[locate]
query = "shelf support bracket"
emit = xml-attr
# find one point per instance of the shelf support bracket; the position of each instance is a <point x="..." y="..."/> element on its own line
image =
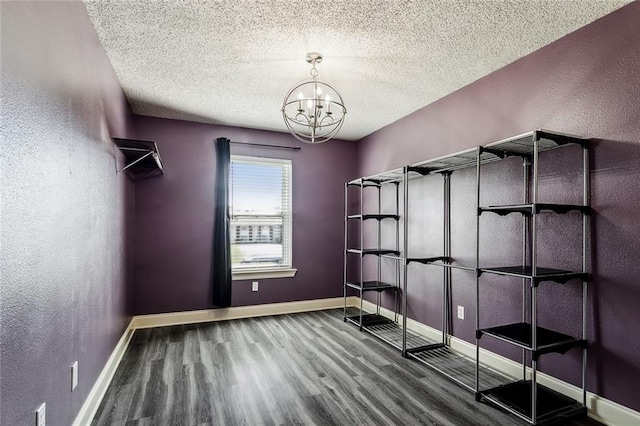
<point x="133" y="163"/>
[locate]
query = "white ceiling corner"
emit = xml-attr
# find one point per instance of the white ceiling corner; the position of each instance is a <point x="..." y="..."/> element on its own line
<point x="232" y="62"/>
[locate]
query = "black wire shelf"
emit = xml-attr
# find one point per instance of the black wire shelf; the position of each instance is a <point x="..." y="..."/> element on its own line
<point x="560" y="276"/>
<point x="373" y="216"/>
<point x="374" y="252"/>
<point x="520" y="334"/>
<point x="369" y="320"/>
<point x="515" y="397"/>
<point x="372" y="286"/>
<point x="441" y="261"/>
<point x="534" y="208"/>
<point x="428" y="260"/>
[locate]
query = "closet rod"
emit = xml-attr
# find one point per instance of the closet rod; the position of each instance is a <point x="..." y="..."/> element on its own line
<point x="293" y="148"/>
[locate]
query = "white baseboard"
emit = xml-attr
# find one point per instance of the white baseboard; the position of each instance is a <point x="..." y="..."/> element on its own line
<point x="601" y="409"/>
<point x="208" y="315"/>
<point x="91" y="404"/>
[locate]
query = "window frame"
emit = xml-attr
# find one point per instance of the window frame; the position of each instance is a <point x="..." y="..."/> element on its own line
<point x="263" y="272"/>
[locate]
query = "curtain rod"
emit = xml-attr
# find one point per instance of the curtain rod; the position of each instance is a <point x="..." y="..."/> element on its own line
<point x="293" y="148"/>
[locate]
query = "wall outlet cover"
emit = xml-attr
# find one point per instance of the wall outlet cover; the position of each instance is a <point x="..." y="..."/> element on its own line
<point x="254" y="286"/>
<point x="460" y="312"/>
<point x="74" y="375"/>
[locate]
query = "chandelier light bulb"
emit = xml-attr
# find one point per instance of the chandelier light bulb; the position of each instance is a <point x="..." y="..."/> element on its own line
<point x="300" y="97"/>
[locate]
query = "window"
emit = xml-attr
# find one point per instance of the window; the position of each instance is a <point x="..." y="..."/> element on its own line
<point x="260" y="206"/>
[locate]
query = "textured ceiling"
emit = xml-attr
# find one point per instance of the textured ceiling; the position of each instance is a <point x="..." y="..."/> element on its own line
<point x="232" y="62"/>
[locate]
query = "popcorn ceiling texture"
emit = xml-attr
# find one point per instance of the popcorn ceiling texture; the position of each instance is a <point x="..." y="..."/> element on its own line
<point x="232" y="62"/>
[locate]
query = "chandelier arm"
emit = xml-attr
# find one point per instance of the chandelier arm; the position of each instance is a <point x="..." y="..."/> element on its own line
<point x="326" y="117"/>
<point x="299" y="121"/>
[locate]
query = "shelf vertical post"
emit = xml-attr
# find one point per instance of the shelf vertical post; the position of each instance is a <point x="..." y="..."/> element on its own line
<point x="586" y="200"/>
<point x="478" y="269"/>
<point x="379" y="245"/>
<point x="525" y="260"/>
<point x="446" y="291"/>
<point x="405" y="178"/>
<point x="361" y="248"/>
<point x="346" y="231"/>
<point x="534" y="286"/>
<point x="534" y="363"/>
<point x="397" y="270"/>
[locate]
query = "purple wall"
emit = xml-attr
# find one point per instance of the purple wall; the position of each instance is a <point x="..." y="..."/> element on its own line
<point x="587" y="83"/>
<point x="64" y="213"/>
<point x="174" y="217"/>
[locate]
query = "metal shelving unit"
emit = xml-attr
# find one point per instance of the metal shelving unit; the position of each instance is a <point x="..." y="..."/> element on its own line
<point x="386" y="329"/>
<point x="522" y="396"/>
<point x="439" y="356"/>
<point x="142" y="158"/>
<point x="525" y="397"/>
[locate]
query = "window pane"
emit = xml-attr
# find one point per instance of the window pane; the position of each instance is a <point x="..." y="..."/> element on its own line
<point x="260" y="213"/>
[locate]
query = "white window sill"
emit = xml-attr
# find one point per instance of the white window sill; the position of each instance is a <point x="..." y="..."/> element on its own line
<point x="263" y="274"/>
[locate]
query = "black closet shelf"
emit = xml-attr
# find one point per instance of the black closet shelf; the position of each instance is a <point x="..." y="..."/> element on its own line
<point x="369" y="320"/>
<point x="375" y="252"/>
<point x="515" y="397"/>
<point x="373" y="216"/>
<point x="142" y="158"/>
<point x="519" y="334"/>
<point x="534" y="208"/>
<point x="542" y="274"/>
<point x="452" y="266"/>
<point x="442" y="261"/>
<point x="372" y="286"/>
<point x="428" y="260"/>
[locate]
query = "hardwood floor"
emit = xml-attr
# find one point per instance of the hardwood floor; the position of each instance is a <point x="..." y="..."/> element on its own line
<point x="300" y="369"/>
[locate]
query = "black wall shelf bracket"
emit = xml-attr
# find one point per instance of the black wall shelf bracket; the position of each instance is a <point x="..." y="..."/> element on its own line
<point x="142" y="158"/>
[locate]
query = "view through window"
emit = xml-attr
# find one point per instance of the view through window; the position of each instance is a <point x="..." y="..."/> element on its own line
<point x="260" y="206"/>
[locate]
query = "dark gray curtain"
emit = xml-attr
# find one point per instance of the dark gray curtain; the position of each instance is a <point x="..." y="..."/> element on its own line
<point x="221" y="239"/>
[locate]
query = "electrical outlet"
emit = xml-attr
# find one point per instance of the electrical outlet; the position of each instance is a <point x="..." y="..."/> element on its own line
<point x="460" y="312"/>
<point x="74" y="375"/>
<point x="254" y="286"/>
<point x="41" y="415"/>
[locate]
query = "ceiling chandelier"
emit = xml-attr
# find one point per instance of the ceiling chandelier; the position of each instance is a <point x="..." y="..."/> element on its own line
<point x="313" y="110"/>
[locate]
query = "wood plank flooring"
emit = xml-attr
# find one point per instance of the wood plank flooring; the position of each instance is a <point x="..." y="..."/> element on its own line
<point x="300" y="369"/>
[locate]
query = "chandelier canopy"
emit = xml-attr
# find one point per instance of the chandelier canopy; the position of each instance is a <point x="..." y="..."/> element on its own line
<point x="313" y="110"/>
